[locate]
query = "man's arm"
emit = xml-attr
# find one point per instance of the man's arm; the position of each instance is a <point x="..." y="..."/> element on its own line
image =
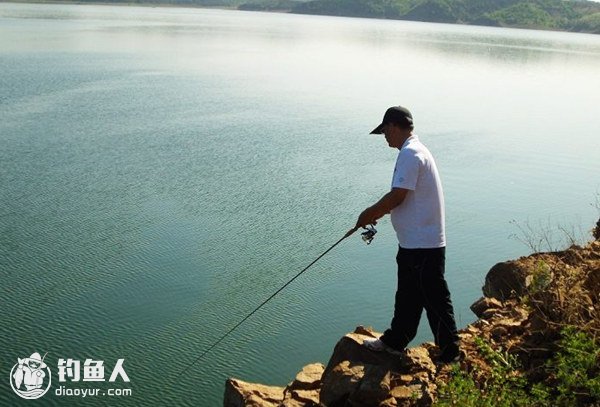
<point x="388" y="202"/>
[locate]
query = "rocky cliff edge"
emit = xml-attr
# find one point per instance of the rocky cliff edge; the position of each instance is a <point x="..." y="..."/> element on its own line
<point x="525" y="303"/>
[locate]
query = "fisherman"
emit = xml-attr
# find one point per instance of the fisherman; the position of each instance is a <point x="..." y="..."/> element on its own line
<point x="30" y="373"/>
<point x="416" y="206"/>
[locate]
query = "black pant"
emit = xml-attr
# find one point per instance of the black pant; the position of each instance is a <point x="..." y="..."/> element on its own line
<point x="421" y="284"/>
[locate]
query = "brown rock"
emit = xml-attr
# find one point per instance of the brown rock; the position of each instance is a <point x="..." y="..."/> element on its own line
<point x="510" y="325"/>
<point x="420" y="377"/>
<point x="308" y="396"/>
<point x="361" y="330"/>
<point x="301" y="398"/>
<point x="499" y="332"/>
<point x="243" y="394"/>
<point x="483" y="304"/>
<point x="350" y="348"/>
<point x="363" y="377"/>
<point x="592" y="283"/>
<point x="420" y="361"/>
<point x="358" y="376"/>
<point x="389" y="402"/>
<point x="505" y="279"/>
<point x="309" y="378"/>
<point x="374" y="387"/>
<point x="304" y="390"/>
<point x="517" y="312"/>
<point x="291" y="402"/>
<point x="341" y="381"/>
<point x="401" y="379"/>
<point x="489" y="313"/>
<point x="428" y="397"/>
<point x="354" y="375"/>
<point x="406" y="393"/>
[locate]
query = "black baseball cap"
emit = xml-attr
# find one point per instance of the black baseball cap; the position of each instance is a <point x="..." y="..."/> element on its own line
<point x="395" y="114"/>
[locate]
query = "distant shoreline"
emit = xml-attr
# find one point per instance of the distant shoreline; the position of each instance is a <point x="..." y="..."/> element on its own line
<point x="282" y="11"/>
<point x="124" y="4"/>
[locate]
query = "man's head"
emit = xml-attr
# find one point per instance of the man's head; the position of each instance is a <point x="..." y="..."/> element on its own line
<point x="397" y="126"/>
<point x="35" y="361"/>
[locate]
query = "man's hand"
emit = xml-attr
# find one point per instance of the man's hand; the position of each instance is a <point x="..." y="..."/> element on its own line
<point x="367" y="217"/>
<point x="388" y="202"/>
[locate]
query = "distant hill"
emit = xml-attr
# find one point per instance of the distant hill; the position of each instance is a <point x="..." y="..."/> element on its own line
<point x="271" y="5"/>
<point x="564" y="15"/>
<point x="537" y="14"/>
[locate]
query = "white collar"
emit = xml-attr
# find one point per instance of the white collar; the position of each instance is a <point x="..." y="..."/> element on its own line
<point x="413" y="137"/>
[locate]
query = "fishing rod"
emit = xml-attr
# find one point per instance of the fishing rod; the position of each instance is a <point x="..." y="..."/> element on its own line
<point x="367" y="237"/>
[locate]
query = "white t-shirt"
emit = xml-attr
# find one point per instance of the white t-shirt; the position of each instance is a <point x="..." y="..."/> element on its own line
<point x="419" y="219"/>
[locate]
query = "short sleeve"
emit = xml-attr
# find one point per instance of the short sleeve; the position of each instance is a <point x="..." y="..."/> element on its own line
<point x="407" y="170"/>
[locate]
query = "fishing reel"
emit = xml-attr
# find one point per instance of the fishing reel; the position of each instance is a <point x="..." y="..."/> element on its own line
<point x="369" y="234"/>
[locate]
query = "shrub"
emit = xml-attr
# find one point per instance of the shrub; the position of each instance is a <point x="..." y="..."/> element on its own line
<point x="572" y="377"/>
<point x="575" y="369"/>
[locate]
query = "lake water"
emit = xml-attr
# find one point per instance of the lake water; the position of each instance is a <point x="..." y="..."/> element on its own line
<point x="164" y="170"/>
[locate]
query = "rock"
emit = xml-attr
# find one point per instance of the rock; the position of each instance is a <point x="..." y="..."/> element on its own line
<point x="489" y="313"/>
<point x="528" y="330"/>
<point x="304" y="390"/>
<point x="513" y="327"/>
<point x="517" y="312"/>
<point x="505" y="280"/>
<point x="301" y="398"/>
<point x="374" y="387"/>
<point x="389" y="402"/>
<point x="291" y="402"/>
<point x="413" y="395"/>
<point x="592" y="282"/>
<point x="401" y="379"/>
<point x="499" y="332"/>
<point x="340" y="382"/>
<point x="483" y="304"/>
<point x="361" y="330"/>
<point x="420" y="361"/>
<point x="359" y="376"/>
<point x="406" y="392"/>
<point x="350" y="348"/>
<point x="243" y="394"/>
<point x="309" y="378"/>
<point x="354" y="375"/>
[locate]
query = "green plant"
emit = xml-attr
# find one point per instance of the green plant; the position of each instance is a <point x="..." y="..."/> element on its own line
<point x="461" y="390"/>
<point x="573" y="373"/>
<point x="504" y="386"/>
<point x="540" y="277"/>
<point x="576" y="368"/>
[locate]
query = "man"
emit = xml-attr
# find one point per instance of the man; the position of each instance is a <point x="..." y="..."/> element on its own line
<point x="30" y="372"/>
<point x="416" y="207"/>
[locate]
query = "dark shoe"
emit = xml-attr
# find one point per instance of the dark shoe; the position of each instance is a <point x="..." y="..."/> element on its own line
<point x="378" y="345"/>
<point x="451" y="354"/>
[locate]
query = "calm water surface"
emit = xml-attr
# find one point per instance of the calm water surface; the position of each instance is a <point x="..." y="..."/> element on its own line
<point x="164" y="170"/>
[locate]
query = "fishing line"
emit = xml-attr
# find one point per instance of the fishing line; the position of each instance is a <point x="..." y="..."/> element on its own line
<point x="367" y="236"/>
